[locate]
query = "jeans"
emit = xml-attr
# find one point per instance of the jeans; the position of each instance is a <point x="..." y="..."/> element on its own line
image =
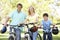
<point x="33" y="35"/>
<point x="17" y="32"/>
<point x="48" y="35"/>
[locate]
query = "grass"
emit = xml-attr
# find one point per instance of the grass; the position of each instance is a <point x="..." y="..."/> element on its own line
<point x="4" y="39"/>
<point x="2" y="36"/>
<point x="55" y="37"/>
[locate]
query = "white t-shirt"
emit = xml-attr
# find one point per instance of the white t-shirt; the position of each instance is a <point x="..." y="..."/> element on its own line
<point x="32" y="19"/>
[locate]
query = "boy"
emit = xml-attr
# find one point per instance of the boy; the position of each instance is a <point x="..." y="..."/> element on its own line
<point x="46" y="27"/>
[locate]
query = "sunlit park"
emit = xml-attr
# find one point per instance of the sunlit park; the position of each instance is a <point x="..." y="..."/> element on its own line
<point x="52" y="7"/>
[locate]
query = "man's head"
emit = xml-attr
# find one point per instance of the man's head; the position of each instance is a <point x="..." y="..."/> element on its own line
<point x="19" y="7"/>
<point x="45" y="16"/>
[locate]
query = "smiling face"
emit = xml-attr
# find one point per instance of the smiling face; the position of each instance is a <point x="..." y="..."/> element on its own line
<point x="45" y="18"/>
<point x="31" y="10"/>
<point x="19" y="7"/>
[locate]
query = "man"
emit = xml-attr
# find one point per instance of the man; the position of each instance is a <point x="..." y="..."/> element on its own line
<point x="17" y="17"/>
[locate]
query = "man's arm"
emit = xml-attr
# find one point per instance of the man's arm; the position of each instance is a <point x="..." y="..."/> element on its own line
<point x="10" y="15"/>
<point x="6" y="20"/>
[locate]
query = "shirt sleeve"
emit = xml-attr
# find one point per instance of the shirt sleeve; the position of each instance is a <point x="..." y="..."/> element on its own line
<point x="25" y="16"/>
<point x="51" y="22"/>
<point x="10" y="15"/>
<point x="42" y="22"/>
<point x="37" y="15"/>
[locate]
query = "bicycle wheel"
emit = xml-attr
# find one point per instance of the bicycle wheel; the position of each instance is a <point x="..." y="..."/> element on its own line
<point x="26" y="38"/>
<point x="11" y="38"/>
<point x="39" y="37"/>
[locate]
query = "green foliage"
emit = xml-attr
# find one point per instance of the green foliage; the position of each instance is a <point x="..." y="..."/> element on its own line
<point x="40" y="6"/>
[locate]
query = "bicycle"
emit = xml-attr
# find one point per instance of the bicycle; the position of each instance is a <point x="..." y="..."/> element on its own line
<point x="12" y="34"/>
<point x="54" y="30"/>
<point x="27" y="35"/>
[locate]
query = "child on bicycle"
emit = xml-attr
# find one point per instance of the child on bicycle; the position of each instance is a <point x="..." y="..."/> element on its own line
<point x="46" y="27"/>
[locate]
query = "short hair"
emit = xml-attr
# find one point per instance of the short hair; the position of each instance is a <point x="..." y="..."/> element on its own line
<point x="19" y="4"/>
<point x="45" y="14"/>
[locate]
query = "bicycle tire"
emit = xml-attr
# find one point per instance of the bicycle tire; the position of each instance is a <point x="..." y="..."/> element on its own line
<point x="39" y="37"/>
<point x="25" y="38"/>
<point x="11" y="38"/>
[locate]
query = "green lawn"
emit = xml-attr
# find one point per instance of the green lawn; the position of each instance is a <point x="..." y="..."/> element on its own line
<point x="3" y="39"/>
<point x="55" y="37"/>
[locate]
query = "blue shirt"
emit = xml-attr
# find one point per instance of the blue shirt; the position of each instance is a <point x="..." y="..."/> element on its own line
<point x="17" y="17"/>
<point x="46" y="25"/>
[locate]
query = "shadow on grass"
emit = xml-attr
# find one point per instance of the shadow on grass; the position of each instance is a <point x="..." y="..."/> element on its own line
<point x="3" y="39"/>
<point x="56" y="38"/>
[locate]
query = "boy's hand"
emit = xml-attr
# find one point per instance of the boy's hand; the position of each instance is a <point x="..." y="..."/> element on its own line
<point x="53" y="25"/>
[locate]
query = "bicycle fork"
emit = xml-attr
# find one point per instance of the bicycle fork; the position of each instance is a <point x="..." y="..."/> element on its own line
<point x="47" y="37"/>
<point x="28" y="36"/>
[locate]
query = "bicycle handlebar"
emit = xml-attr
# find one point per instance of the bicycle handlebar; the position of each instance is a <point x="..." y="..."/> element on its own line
<point x="20" y="25"/>
<point x="26" y="24"/>
<point x="30" y="24"/>
<point x="14" y="25"/>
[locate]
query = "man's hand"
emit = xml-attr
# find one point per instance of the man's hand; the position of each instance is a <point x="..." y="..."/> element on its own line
<point x="5" y="24"/>
<point x="6" y="20"/>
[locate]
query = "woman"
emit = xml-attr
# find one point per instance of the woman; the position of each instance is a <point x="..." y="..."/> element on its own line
<point x="32" y="18"/>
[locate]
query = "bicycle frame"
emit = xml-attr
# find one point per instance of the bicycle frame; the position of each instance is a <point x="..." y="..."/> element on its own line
<point x="13" y="33"/>
<point x="27" y="33"/>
